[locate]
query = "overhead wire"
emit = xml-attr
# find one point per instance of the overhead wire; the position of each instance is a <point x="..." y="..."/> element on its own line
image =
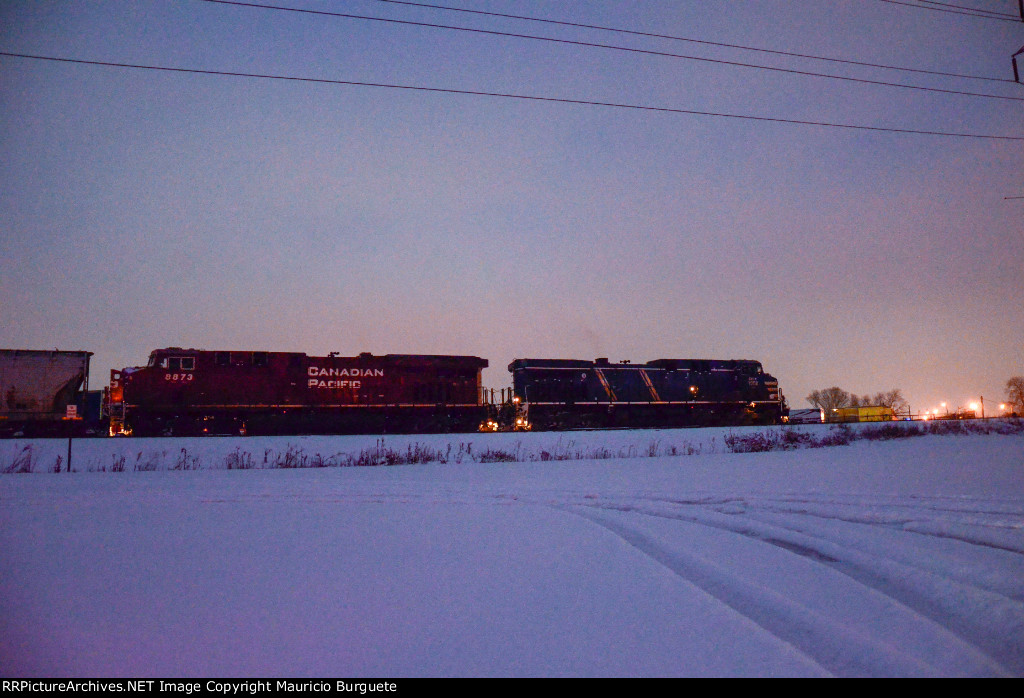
<point x="492" y="32"/>
<point x="950" y="9"/>
<point x="705" y="42"/>
<point x="964" y="7"/>
<point x="507" y="95"/>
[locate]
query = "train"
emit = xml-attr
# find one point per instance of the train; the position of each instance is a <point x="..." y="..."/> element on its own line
<point x="46" y="393"/>
<point x="196" y="392"/>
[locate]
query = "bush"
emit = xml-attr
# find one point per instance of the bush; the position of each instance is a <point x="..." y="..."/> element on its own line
<point x="22" y="462"/>
<point x="186" y="462"/>
<point x="238" y="460"/>
<point x="497" y="456"/>
<point x="890" y="430"/>
<point x="839" y="435"/>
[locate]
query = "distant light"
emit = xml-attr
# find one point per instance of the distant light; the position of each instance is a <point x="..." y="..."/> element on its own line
<point x="974" y="406"/>
<point x="1002" y="407"/>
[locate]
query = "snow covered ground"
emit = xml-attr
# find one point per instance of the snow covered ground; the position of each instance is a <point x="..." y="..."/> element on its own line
<point x="659" y="553"/>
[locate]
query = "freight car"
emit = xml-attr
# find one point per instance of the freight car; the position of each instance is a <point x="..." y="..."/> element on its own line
<point x="806" y="416"/>
<point x="196" y="392"/>
<point x="568" y="394"/>
<point x="45" y="393"/>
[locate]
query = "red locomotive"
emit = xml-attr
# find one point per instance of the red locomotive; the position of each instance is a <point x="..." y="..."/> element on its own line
<point x="195" y="392"/>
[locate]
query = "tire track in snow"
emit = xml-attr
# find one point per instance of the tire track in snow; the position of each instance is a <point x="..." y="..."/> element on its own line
<point x="838" y="649"/>
<point x="942" y="503"/>
<point x="966" y="532"/>
<point x="991" y="624"/>
<point x="775" y="512"/>
<point x="947" y="564"/>
<point x="922" y="524"/>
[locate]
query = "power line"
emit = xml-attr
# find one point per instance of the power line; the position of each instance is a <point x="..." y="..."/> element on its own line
<point x="507" y="95"/>
<point x="587" y="44"/>
<point x="972" y="9"/>
<point x="695" y="41"/>
<point x="949" y="9"/>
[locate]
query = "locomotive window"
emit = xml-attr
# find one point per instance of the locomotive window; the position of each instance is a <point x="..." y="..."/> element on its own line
<point x="181" y="363"/>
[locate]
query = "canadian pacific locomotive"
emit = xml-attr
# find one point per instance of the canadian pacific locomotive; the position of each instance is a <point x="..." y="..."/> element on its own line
<point x="189" y="391"/>
<point x="559" y="394"/>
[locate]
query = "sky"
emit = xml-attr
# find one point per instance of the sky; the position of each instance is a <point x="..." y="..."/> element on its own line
<point x="141" y="209"/>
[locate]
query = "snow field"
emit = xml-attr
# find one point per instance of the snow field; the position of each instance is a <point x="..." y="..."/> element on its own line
<point x="881" y="558"/>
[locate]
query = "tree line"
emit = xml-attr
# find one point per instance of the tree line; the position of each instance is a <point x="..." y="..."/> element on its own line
<point x="835" y="398"/>
<point x="1015" y="394"/>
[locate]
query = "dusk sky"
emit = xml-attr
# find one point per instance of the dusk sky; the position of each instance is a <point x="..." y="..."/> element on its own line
<point x="143" y="209"/>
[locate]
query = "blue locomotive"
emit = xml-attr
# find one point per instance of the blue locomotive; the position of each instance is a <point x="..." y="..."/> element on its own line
<point x="570" y="394"/>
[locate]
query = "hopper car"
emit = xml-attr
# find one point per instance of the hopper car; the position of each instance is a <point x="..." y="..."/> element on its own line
<point x="45" y="394"/>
